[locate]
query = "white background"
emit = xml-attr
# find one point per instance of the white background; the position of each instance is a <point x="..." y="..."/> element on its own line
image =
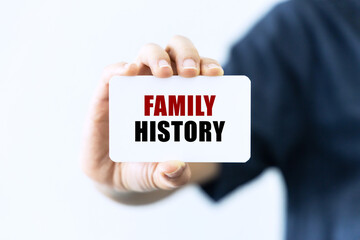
<point x="51" y="56"/>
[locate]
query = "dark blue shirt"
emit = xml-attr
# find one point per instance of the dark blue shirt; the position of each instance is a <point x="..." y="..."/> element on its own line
<point x="304" y="62"/>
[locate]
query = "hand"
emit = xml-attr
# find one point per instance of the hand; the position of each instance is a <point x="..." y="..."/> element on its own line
<point x="180" y="57"/>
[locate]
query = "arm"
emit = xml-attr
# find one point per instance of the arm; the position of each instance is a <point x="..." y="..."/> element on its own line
<point x="141" y="183"/>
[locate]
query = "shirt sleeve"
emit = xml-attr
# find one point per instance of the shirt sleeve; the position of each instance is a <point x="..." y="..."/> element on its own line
<point x="273" y="55"/>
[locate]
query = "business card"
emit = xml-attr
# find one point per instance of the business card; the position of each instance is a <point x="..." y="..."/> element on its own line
<point x="200" y="119"/>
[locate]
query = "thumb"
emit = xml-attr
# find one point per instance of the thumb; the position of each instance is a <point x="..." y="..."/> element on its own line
<point x="171" y="174"/>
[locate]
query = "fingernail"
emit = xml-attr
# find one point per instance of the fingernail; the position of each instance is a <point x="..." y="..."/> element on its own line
<point x="213" y="65"/>
<point x="177" y="171"/>
<point x="163" y="63"/>
<point x="126" y="65"/>
<point x="189" y="64"/>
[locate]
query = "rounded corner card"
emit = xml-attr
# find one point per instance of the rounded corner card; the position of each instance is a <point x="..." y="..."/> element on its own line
<point x="200" y="119"/>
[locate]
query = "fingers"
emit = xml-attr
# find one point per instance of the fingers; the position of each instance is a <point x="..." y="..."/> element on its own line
<point x="210" y="67"/>
<point x="184" y="54"/>
<point x="153" y="57"/>
<point x="180" y="57"/>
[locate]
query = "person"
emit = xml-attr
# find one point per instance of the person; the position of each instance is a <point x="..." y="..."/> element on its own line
<point x="303" y="59"/>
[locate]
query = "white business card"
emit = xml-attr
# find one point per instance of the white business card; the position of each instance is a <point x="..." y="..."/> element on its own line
<point x="201" y="119"/>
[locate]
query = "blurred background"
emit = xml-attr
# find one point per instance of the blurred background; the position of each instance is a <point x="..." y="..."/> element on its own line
<point x="51" y="56"/>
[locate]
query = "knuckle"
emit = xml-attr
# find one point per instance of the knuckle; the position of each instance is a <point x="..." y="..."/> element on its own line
<point x="150" y="50"/>
<point x="177" y="41"/>
<point x="206" y="59"/>
<point x="189" y="50"/>
<point x="209" y="60"/>
<point x="149" y="46"/>
<point x="178" y="37"/>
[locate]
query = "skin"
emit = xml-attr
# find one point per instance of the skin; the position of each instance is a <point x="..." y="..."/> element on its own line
<point x="143" y="183"/>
